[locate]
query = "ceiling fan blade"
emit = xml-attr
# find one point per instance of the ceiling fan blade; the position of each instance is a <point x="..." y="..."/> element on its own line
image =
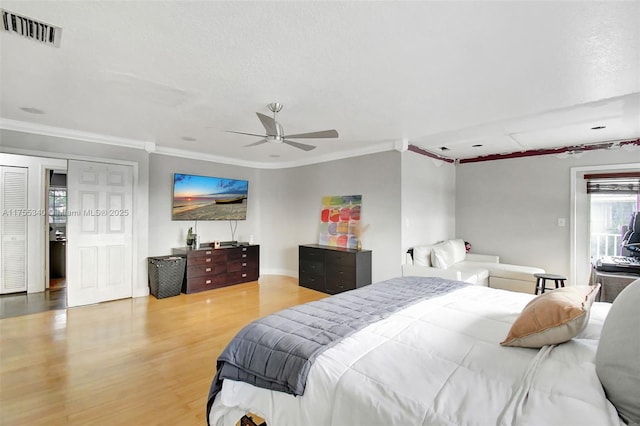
<point x="243" y="133"/>
<point x="316" y="135"/>
<point x="269" y="124"/>
<point x="260" y="142"/>
<point x="299" y="145"/>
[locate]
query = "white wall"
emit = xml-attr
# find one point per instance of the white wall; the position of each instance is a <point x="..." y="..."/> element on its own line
<point x="511" y="207"/>
<point x="428" y="200"/>
<point x="31" y="144"/>
<point x="284" y="207"/>
<point x="167" y="233"/>
<point x="292" y="199"/>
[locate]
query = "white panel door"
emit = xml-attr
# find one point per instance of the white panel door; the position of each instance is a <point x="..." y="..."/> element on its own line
<point x="13" y="247"/>
<point x="99" y="232"/>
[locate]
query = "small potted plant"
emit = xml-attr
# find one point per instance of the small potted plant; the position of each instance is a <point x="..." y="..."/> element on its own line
<point x="190" y="237"/>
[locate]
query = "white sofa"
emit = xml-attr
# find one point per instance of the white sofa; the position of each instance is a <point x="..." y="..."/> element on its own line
<point x="448" y="259"/>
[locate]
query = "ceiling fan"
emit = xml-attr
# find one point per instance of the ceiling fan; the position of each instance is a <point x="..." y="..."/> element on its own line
<point x="275" y="132"/>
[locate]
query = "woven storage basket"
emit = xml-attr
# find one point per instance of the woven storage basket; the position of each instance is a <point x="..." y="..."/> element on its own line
<point x="165" y="275"/>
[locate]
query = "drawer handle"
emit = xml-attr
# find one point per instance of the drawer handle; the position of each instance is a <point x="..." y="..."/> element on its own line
<point x="208" y="270"/>
<point x="244" y="275"/>
<point x="244" y="249"/>
<point x="244" y="264"/>
<point x="207" y="252"/>
<point x="207" y="282"/>
<point x="208" y="259"/>
<point x="244" y="255"/>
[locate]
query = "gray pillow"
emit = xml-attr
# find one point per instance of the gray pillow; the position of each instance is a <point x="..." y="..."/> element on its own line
<point x="618" y="355"/>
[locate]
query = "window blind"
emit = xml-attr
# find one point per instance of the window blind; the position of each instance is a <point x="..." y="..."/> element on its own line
<point x="613" y="183"/>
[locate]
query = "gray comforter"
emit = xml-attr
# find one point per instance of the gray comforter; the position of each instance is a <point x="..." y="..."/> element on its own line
<point x="277" y="351"/>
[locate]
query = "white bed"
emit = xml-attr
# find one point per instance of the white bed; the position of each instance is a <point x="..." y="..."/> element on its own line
<point x="439" y="362"/>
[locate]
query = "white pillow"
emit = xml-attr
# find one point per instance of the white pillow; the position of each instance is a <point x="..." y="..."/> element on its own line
<point x="422" y="255"/>
<point x="447" y="254"/>
<point x="618" y="355"/>
<point x="459" y="250"/>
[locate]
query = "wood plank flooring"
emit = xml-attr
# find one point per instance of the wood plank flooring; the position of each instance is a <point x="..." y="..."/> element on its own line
<point x="141" y="361"/>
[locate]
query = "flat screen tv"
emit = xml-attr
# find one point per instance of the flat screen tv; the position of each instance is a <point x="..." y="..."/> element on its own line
<point x="208" y="198"/>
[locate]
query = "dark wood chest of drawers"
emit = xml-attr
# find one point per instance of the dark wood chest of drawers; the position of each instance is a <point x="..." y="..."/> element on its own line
<point x="209" y="268"/>
<point x="332" y="269"/>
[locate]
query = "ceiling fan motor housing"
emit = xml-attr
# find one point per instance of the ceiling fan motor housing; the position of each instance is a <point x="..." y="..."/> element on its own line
<point x="275" y="107"/>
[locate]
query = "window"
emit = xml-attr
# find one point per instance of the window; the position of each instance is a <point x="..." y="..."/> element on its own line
<point x="610" y="214"/>
<point x="57" y="205"/>
<point x="613" y="197"/>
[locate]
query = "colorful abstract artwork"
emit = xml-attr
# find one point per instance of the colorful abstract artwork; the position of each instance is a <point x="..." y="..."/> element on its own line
<point x="340" y="221"/>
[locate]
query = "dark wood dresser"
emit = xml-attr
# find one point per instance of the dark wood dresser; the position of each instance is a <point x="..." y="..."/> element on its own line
<point x="333" y="269"/>
<point x="209" y="268"/>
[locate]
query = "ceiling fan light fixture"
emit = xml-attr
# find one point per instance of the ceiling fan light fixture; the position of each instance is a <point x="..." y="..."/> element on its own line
<point x="275" y="132"/>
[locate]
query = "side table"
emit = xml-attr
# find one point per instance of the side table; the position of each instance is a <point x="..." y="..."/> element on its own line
<point x="541" y="282"/>
<point x="611" y="283"/>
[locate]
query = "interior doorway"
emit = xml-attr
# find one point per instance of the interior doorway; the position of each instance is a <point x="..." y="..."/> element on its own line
<point x="57" y="228"/>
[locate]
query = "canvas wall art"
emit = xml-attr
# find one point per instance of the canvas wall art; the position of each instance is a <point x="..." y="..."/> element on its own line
<point x="340" y="221"/>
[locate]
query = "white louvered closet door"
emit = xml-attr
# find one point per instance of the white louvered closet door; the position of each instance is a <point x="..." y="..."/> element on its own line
<point x="13" y="250"/>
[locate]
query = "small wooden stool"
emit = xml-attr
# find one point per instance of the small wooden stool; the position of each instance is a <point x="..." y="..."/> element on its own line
<point x="541" y="282"/>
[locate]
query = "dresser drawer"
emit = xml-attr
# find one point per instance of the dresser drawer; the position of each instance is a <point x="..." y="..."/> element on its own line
<point x="208" y="252"/>
<point x="243" y="253"/>
<point x="205" y="283"/>
<point x="306" y="253"/>
<point x="205" y="270"/>
<point x="311" y="268"/>
<point x="339" y="279"/>
<point x="207" y="260"/>
<point x="340" y="258"/>
<point x="314" y="283"/>
<point x="242" y="276"/>
<point x="241" y="265"/>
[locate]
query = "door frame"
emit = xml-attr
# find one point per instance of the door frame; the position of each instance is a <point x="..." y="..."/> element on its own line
<point x="45" y="225"/>
<point x="580" y="216"/>
<point x="140" y="211"/>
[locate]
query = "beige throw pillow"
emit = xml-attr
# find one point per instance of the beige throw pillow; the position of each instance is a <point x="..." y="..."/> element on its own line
<point x="553" y="317"/>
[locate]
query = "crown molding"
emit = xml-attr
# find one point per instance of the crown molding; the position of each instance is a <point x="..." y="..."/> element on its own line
<point x="153" y="148"/>
<point x="58" y="132"/>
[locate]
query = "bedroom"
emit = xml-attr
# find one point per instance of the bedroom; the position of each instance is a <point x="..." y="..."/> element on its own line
<point x="389" y="181"/>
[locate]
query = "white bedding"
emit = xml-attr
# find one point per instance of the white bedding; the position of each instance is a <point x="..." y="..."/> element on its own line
<point x="439" y="362"/>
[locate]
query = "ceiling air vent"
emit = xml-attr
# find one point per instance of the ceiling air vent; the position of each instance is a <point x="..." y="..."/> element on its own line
<point x="31" y="28"/>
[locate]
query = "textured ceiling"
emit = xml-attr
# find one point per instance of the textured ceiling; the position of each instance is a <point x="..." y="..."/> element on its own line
<point x="510" y="76"/>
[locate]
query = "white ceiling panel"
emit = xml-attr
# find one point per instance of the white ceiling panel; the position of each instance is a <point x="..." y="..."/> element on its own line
<point x="513" y="75"/>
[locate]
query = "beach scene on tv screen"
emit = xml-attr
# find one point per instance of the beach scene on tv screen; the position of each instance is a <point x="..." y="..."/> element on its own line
<point x="209" y="198"/>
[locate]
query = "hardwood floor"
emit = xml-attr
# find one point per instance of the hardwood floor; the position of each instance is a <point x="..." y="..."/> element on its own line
<point x="55" y="297"/>
<point x="141" y="361"/>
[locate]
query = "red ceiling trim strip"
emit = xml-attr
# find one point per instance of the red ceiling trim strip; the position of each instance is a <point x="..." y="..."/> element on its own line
<point x="529" y="153"/>
<point x="552" y="151"/>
